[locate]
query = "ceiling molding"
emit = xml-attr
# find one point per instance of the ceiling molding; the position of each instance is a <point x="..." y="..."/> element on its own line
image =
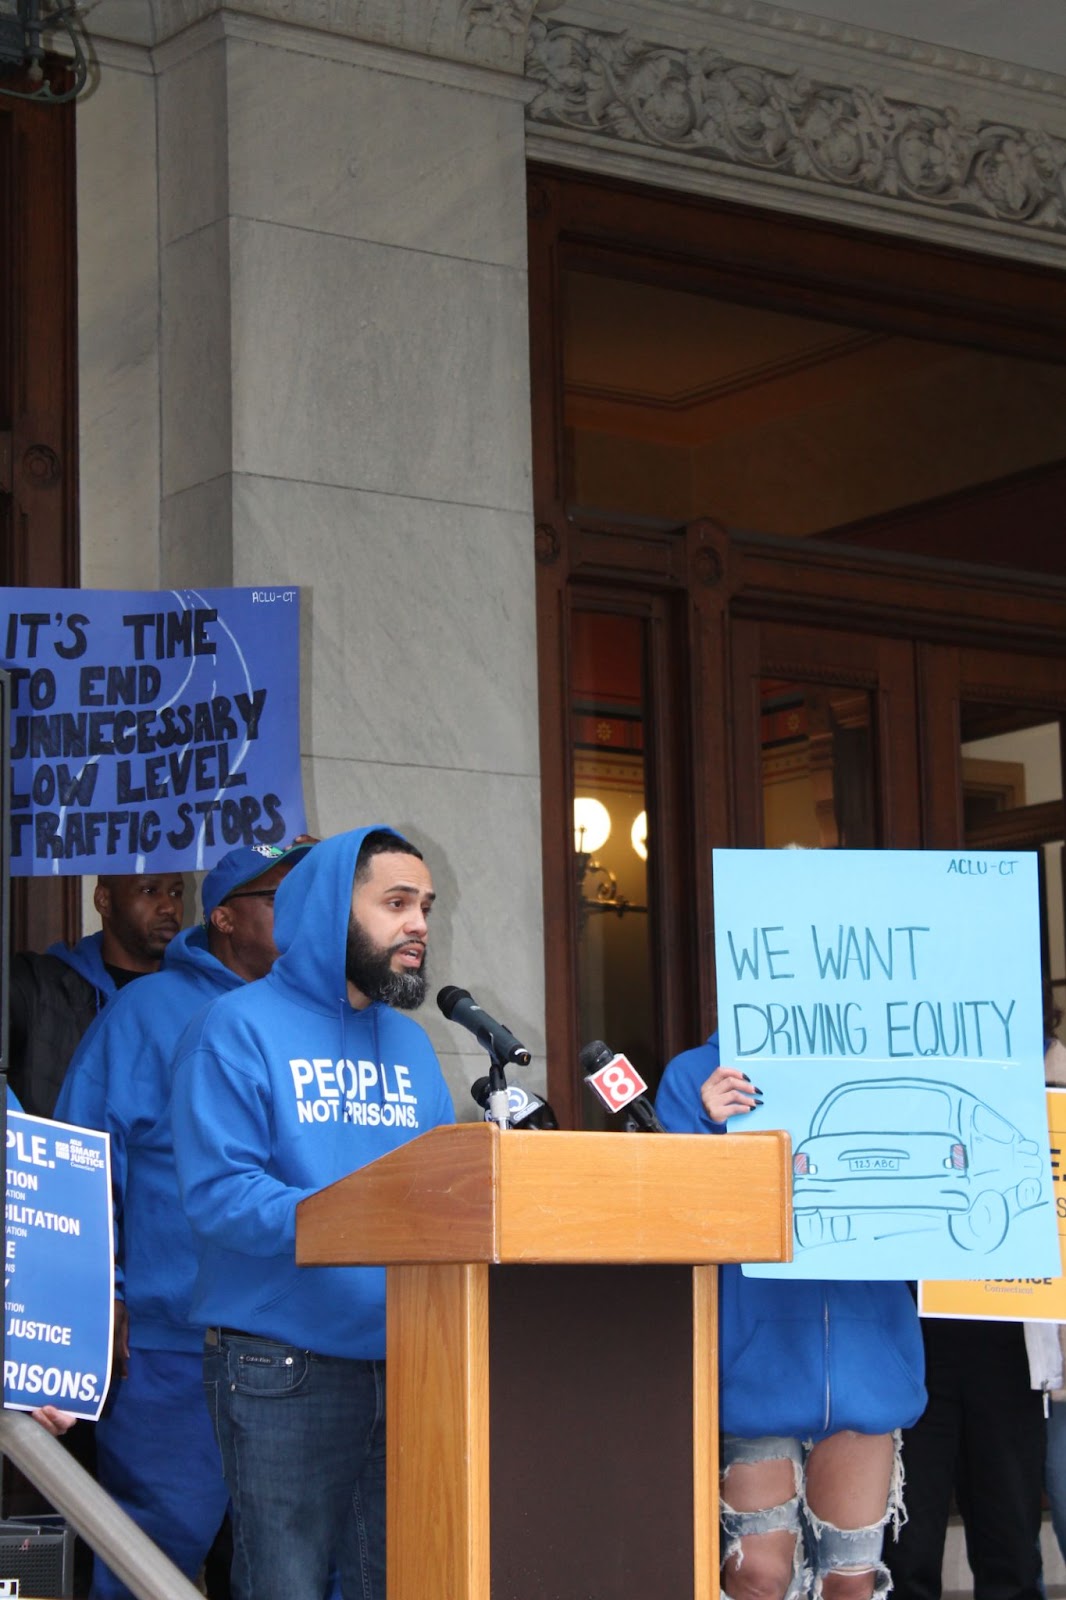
<point x="733" y="383"/>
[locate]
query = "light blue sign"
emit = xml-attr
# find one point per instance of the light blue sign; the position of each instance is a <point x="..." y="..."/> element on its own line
<point x="888" y="1004"/>
<point x="150" y="732"/>
<point x="58" y="1267"/>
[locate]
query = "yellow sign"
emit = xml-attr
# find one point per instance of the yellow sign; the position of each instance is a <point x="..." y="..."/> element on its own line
<point x="1013" y="1299"/>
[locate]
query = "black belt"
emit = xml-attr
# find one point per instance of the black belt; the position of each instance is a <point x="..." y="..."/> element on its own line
<point x="212" y="1335"/>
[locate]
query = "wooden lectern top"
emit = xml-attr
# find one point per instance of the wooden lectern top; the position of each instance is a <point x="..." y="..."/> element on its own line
<point x="470" y="1193"/>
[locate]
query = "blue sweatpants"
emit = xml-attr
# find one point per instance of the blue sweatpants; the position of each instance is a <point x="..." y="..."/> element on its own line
<point x="157" y="1456"/>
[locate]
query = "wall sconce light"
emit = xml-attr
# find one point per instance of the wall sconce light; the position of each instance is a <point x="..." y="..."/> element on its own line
<point x="638" y="835"/>
<point x="592" y="829"/>
<point x="592" y="825"/>
<point x="23" y="26"/>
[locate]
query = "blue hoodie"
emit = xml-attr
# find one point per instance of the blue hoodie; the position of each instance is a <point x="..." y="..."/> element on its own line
<point x="119" y="1081"/>
<point x="802" y="1358"/>
<point x="280" y="1089"/>
<point x="87" y="960"/>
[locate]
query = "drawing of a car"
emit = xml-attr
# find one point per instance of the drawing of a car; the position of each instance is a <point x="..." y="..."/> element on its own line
<point x="905" y="1148"/>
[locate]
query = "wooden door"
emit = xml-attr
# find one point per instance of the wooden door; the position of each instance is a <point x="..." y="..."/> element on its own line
<point x="754" y="662"/>
<point x="784" y="692"/>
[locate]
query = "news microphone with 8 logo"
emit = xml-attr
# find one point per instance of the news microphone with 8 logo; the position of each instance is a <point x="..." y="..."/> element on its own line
<point x="619" y="1086"/>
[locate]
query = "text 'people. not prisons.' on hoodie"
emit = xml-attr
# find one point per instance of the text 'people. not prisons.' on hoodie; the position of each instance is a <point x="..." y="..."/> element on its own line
<point x="364" y="1093"/>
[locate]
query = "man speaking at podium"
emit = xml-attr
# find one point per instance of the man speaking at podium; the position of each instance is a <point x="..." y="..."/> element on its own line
<point x="281" y="1088"/>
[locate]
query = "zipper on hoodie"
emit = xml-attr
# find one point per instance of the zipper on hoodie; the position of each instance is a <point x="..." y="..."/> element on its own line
<point x="825" y="1330"/>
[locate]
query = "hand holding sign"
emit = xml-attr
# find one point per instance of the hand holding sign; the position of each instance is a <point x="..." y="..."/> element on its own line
<point x="59" y="1265"/>
<point x="729" y="1092"/>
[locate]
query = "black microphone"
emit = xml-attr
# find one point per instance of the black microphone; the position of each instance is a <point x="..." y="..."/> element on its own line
<point x="618" y="1084"/>
<point x="526" y="1110"/>
<point x="501" y="1044"/>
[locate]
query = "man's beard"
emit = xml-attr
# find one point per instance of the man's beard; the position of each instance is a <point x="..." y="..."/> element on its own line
<point x="369" y="968"/>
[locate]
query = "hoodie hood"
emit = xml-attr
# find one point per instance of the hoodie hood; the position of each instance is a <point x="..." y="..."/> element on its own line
<point x="188" y="954"/>
<point x="86" y="958"/>
<point x="311" y="912"/>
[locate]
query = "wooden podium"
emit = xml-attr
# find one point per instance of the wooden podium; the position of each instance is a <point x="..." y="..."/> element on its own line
<point x="552" y="1337"/>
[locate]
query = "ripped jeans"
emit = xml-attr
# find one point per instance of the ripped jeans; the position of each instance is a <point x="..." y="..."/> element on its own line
<point x="821" y="1548"/>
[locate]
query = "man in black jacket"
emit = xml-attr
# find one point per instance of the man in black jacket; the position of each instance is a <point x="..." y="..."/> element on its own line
<point x="54" y="997"/>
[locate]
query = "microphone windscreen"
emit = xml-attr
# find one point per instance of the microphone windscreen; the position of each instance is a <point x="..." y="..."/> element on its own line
<point x="594" y="1055"/>
<point x="449" y="997"/>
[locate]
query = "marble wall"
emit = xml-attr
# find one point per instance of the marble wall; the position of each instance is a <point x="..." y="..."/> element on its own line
<point x="339" y="399"/>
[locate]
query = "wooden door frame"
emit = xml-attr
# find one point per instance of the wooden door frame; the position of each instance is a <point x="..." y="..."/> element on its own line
<point x="951" y="675"/>
<point x="883" y="666"/>
<point x="715" y="576"/>
<point x="38" y="408"/>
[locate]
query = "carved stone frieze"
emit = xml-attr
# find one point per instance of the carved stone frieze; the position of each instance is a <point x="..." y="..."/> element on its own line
<point x="504" y="24"/>
<point x="795" y="125"/>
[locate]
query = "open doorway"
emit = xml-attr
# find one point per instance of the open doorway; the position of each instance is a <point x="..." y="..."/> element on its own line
<point x="767" y="455"/>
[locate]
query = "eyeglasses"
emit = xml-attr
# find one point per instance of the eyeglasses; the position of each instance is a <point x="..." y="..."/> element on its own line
<point x="251" y="894"/>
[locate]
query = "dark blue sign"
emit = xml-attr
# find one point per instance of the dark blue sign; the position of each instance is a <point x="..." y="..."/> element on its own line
<point x="58" y="1267"/>
<point x="150" y="732"/>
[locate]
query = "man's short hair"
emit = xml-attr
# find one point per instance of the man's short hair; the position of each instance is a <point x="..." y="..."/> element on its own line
<point x="382" y="842"/>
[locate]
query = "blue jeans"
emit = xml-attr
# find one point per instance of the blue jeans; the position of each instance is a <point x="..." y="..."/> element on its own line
<point x="821" y="1547"/>
<point x="156" y="1455"/>
<point x="302" y="1438"/>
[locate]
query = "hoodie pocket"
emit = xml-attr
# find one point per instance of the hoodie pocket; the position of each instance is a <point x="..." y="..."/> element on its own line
<point x="775" y="1384"/>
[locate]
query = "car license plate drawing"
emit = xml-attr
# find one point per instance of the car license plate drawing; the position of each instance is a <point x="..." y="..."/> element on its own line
<point x="892" y="1002"/>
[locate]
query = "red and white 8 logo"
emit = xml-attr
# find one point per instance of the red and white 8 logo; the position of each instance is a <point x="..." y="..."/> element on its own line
<point x="617" y="1083"/>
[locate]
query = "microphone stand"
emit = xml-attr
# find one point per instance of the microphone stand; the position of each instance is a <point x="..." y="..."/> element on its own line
<point x="499" y="1106"/>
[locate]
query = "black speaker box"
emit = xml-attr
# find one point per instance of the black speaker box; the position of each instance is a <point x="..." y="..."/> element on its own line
<point x="37" y="1553"/>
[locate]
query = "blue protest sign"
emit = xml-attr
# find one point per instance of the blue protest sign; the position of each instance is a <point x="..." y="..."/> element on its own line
<point x="888" y="1004"/>
<point x="150" y="732"/>
<point x="58" y="1267"/>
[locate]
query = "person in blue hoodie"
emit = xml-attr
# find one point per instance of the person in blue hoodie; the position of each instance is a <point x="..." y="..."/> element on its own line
<point x="281" y="1089"/>
<point x="156" y="1451"/>
<point x="54" y="997"/>
<point x="817" y="1380"/>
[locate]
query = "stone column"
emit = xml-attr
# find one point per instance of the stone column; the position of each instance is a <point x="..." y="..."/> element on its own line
<point x="344" y="405"/>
